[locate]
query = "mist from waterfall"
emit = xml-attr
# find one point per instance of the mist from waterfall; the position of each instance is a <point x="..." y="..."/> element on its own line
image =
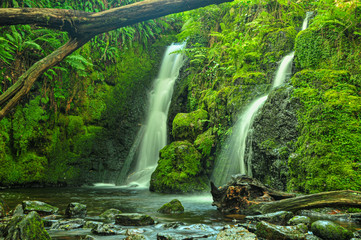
<point x="154" y="131"/>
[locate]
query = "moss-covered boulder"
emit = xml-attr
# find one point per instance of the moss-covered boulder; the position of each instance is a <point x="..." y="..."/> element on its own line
<point x="29" y="227"/>
<point x="187" y="126"/>
<point x="275" y="232"/>
<point x="174" y="206"/>
<point x="40" y="207"/>
<point x="133" y="219"/>
<point x="110" y="214"/>
<point x="330" y="231"/>
<point x="76" y="210"/>
<point x="179" y="170"/>
<point x="205" y="142"/>
<point x="300" y="219"/>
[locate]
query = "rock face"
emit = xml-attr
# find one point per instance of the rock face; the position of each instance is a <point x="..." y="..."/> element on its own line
<point x="133" y="219"/>
<point x="40" y="207"/>
<point x="179" y="170"/>
<point x="274" y="131"/>
<point x="174" y="206"/>
<point x="76" y="210"/>
<point x="29" y="227"/>
<point x="330" y="231"/>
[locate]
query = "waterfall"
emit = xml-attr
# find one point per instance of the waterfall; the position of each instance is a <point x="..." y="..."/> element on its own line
<point x="154" y="137"/>
<point x="232" y="158"/>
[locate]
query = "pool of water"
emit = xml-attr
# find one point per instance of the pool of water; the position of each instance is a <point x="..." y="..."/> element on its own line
<point x="198" y="209"/>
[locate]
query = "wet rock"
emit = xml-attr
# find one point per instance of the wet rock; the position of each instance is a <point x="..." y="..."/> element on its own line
<point x="110" y="214"/>
<point x="88" y="237"/>
<point x="133" y="219"/>
<point x="2" y="208"/>
<point x="174" y="206"/>
<point x="330" y="231"/>
<point x="29" y="227"/>
<point x="300" y="219"/>
<point x="173" y="225"/>
<point x="235" y="233"/>
<point x="107" y="229"/>
<point x="68" y="224"/>
<point x="280" y="217"/>
<point x="275" y="232"/>
<point x="40" y="207"/>
<point x="187" y="126"/>
<point x="250" y="226"/>
<point x="18" y="211"/>
<point x="134" y="234"/>
<point x="91" y="224"/>
<point x="76" y="210"/>
<point x="135" y="237"/>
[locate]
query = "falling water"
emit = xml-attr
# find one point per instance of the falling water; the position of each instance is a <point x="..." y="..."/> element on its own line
<point x="232" y="157"/>
<point x="155" y="129"/>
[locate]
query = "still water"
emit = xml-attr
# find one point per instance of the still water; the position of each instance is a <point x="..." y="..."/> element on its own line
<point x="198" y="209"/>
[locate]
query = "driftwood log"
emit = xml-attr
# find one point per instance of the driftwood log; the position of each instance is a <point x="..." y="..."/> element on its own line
<point x="245" y="195"/>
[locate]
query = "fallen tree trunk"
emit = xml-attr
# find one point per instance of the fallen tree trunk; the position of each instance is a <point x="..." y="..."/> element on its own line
<point x="245" y="195"/>
<point x="81" y="26"/>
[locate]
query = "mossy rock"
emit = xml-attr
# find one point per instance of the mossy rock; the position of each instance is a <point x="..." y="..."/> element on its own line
<point x="39" y="207"/>
<point x="2" y="208"/>
<point x="28" y="227"/>
<point x="205" y="142"/>
<point x="133" y="219"/>
<point x="186" y="126"/>
<point x="174" y="206"/>
<point x="275" y="232"/>
<point x="110" y="214"/>
<point x="179" y="170"/>
<point x="76" y="210"/>
<point x="330" y="231"/>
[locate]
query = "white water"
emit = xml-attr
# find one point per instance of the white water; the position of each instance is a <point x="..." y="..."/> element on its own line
<point x="232" y="158"/>
<point x="155" y="129"/>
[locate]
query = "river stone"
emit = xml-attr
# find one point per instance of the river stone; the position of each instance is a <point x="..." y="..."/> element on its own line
<point x="68" y="224"/>
<point x="236" y="233"/>
<point x="275" y="232"/>
<point x="330" y="231"/>
<point x="280" y="217"/>
<point x="110" y="214"/>
<point x="29" y="227"/>
<point x="18" y="211"/>
<point x="91" y="224"/>
<point x="133" y="219"/>
<point x="76" y="210"/>
<point x="88" y="237"/>
<point x="300" y="219"/>
<point x="107" y="229"/>
<point x="174" y="206"/>
<point x="135" y="237"/>
<point x="40" y="207"/>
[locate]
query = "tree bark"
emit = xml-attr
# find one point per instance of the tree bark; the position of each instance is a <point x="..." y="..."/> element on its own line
<point x="81" y="26"/>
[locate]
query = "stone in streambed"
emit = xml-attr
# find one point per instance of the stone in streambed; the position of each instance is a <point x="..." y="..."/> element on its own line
<point x="76" y="210"/>
<point x="300" y="219"/>
<point x="40" y="207"/>
<point x="107" y="229"/>
<point x="110" y="214"/>
<point x="69" y="224"/>
<point x="236" y="233"/>
<point x="174" y="206"/>
<point x="275" y="232"/>
<point x="29" y="227"/>
<point x="133" y="219"/>
<point x="330" y="231"/>
<point x="280" y="217"/>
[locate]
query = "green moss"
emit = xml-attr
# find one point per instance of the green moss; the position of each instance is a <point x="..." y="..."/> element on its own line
<point x="186" y="126"/>
<point x="327" y="155"/>
<point x="174" y="206"/>
<point x="205" y="142"/>
<point x="179" y="169"/>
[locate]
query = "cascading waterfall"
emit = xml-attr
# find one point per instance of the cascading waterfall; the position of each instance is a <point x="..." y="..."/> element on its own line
<point x="154" y="137"/>
<point x="232" y="157"/>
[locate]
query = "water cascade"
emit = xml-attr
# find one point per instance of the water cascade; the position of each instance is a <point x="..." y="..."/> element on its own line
<point x="232" y="157"/>
<point x="154" y="136"/>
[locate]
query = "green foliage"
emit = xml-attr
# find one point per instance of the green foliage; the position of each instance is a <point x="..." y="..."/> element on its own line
<point x="327" y="150"/>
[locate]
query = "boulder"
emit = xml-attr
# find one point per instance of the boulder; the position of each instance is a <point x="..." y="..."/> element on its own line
<point x="179" y="170"/>
<point x="174" y="206"/>
<point x="329" y="230"/>
<point x="133" y="219"/>
<point x="280" y="217"/>
<point x="187" y="126"/>
<point x="18" y="211"/>
<point x="110" y="214"/>
<point x="235" y="233"/>
<point x="300" y="219"/>
<point x="135" y="237"/>
<point x="29" y="227"/>
<point x="275" y="232"/>
<point x="107" y="229"/>
<point x="76" y="210"/>
<point x="40" y="207"/>
<point x="68" y="224"/>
